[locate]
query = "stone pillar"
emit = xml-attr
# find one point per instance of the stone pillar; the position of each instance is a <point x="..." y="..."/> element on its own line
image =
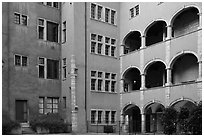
<point x="73" y="95"/>
<point x="142" y="81"/>
<point x="169" y="77"/>
<point x="143" y="122"/>
<point x="143" y="43"/>
<point x="200" y="20"/>
<point x="199" y="71"/>
<point x="169" y="32"/>
<point x="122" y="48"/>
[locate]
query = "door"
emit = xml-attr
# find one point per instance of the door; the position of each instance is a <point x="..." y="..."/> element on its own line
<point x="21" y="110"/>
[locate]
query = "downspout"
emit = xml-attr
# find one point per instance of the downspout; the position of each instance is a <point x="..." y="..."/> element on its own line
<point x="85" y="100"/>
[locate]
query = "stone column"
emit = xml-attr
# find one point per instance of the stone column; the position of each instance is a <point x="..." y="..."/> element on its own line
<point x="122" y="47"/>
<point x="73" y="94"/>
<point x="142" y="81"/>
<point x="169" y="32"/>
<point x="169" y="78"/>
<point x="199" y="71"/>
<point x="200" y="20"/>
<point x="143" y="43"/>
<point x="143" y="122"/>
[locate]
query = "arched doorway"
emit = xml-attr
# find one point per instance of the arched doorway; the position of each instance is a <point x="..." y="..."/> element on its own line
<point x="132" y="117"/>
<point x="184" y="104"/>
<point x="153" y="114"/>
<point x="185" y="69"/>
<point x="132" y="79"/>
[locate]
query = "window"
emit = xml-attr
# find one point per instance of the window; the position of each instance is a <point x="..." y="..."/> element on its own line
<point x="52" y="31"/>
<point x="93" y="84"/>
<point x="113" y="117"/>
<point x="16" y="18"/>
<point x="107" y="15"/>
<point x="41" y="67"/>
<point x="99" y="48"/>
<point x="112" y="51"/>
<point x="52" y="105"/>
<point x="107" y="75"/>
<point x="107" y="48"/>
<point x="41" y="28"/>
<point x="113" y="86"/>
<point x="41" y="105"/>
<point x="99" y="116"/>
<point x="100" y="74"/>
<point x="64" y="67"/>
<point x="93" y="10"/>
<point x="134" y="11"/>
<point x="93" y="73"/>
<point x="93" y="36"/>
<point x="20" y="60"/>
<point x="93" y="47"/>
<point x="107" y="113"/>
<point x="113" y="16"/>
<point x="100" y="84"/>
<point x="107" y="82"/>
<point x="55" y="4"/>
<point x="100" y="38"/>
<point x="24" y="20"/>
<point x="64" y="102"/>
<point x="113" y="76"/>
<point x="49" y="3"/>
<point x="99" y="12"/>
<point x="52" y="69"/>
<point x="64" y="32"/>
<point x="93" y="116"/>
<point x="107" y="40"/>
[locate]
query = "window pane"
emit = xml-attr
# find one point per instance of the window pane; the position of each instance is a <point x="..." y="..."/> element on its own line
<point x="93" y="84"/>
<point x="93" y="116"/>
<point x="17" y="60"/>
<point x="107" y="15"/>
<point x="107" y="50"/>
<point x="24" y="61"/>
<point x="93" y="9"/>
<point x="112" y="17"/>
<point x="49" y="3"/>
<point x="93" y="36"/>
<point x="41" y="22"/>
<point x="93" y="46"/>
<point x="41" y="32"/>
<point x="52" y="69"/>
<point x="99" y="84"/>
<point x="41" y="72"/>
<point x="52" y="32"/>
<point x="16" y="18"/>
<point x="99" y="116"/>
<point x="55" y="4"/>
<point x="93" y="73"/>
<point x="24" y="20"/>
<point x="99" y="48"/>
<point x="99" y="12"/>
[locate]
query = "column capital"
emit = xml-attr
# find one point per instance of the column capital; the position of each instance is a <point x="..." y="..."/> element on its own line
<point x="143" y="36"/>
<point x="122" y="79"/>
<point x="169" y="68"/>
<point x="143" y="74"/>
<point x="199" y="14"/>
<point x="168" y="26"/>
<point x="122" y="45"/>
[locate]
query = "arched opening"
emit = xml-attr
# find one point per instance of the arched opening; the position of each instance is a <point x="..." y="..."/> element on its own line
<point x="153" y="114"/>
<point x="156" y="33"/>
<point x="132" y="42"/>
<point x="155" y="75"/>
<point x="132" y="118"/>
<point x="185" y="69"/>
<point x="184" y="104"/>
<point x="185" y="21"/>
<point x="132" y="80"/>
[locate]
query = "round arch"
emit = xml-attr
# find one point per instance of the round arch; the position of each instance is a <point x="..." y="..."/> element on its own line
<point x="172" y="61"/>
<point x="148" y="64"/>
<point x="126" y="105"/>
<point x="150" y="103"/>
<point x="127" y="69"/>
<point x="182" y="10"/>
<point x="149" y="25"/>
<point x="128" y="34"/>
<point x="182" y="99"/>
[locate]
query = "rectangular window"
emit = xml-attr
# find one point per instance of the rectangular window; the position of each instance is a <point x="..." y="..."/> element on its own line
<point x="107" y="113"/>
<point x="113" y="76"/>
<point x="93" y="10"/>
<point x="16" y="18"/>
<point x="99" y="12"/>
<point x="64" y="102"/>
<point x="52" y="105"/>
<point x="100" y="74"/>
<point x="107" y="48"/>
<point x="99" y="116"/>
<point x="113" y="116"/>
<point x="41" y="105"/>
<point x="93" y="73"/>
<point x="93" y="47"/>
<point x="99" y="48"/>
<point x="113" y="16"/>
<point x="107" y="83"/>
<point x="40" y="28"/>
<point x="93" y="84"/>
<point x="52" y="69"/>
<point x="100" y="38"/>
<point x="132" y="12"/>
<point x="55" y="4"/>
<point x="113" y="86"/>
<point x="49" y="3"/>
<point x="52" y="31"/>
<point x="64" y="32"/>
<point x="137" y="10"/>
<point x="41" y="67"/>
<point x="107" y="40"/>
<point x="107" y="75"/>
<point x="93" y="116"/>
<point x="24" y="61"/>
<point x="112" y="51"/>
<point x="99" y="84"/>
<point x="107" y="14"/>
<point x="113" y="41"/>
<point x="93" y="36"/>
<point x="24" y="20"/>
<point x="64" y="68"/>
<point x="17" y="60"/>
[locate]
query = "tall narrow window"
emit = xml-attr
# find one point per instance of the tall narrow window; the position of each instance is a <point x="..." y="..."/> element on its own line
<point x="52" y="31"/>
<point x="64" y="31"/>
<point x="93" y="10"/>
<point x="113" y="116"/>
<point x="107" y="113"/>
<point x="99" y="116"/>
<point x="41" y="67"/>
<point x="24" y="20"/>
<point x="52" y="69"/>
<point x="93" y="84"/>
<point x="113" y="17"/>
<point x="17" y="60"/>
<point x="41" y="28"/>
<point x="16" y="18"/>
<point x="99" y="84"/>
<point x="107" y="14"/>
<point x="41" y="105"/>
<point x="55" y="4"/>
<point x="24" y="61"/>
<point x="137" y="10"/>
<point x="113" y="86"/>
<point x="64" y="68"/>
<point x="93" y="47"/>
<point x="132" y="12"/>
<point x="107" y="83"/>
<point x="99" y="12"/>
<point x="112" y="51"/>
<point x="93" y="116"/>
<point x="99" y="48"/>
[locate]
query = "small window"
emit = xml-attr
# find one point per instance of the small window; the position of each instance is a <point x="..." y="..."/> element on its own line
<point x="113" y="16"/>
<point x="52" y="31"/>
<point x="113" y="86"/>
<point x="52" y="69"/>
<point x="24" y="20"/>
<point x="132" y="12"/>
<point x="41" y="67"/>
<point x="113" y="76"/>
<point x="17" y="60"/>
<point x="16" y="18"/>
<point x="52" y="105"/>
<point x="99" y="12"/>
<point x="93" y="36"/>
<point x="93" y="73"/>
<point x="107" y="11"/>
<point x="93" y="10"/>
<point x="49" y="3"/>
<point x="64" y="67"/>
<point x="93" y="84"/>
<point x="99" y="84"/>
<point x="107" y="48"/>
<point x="137" y="10"/>
<point x="55" y="4"/>
<point x="100" y="74"/>
<point x="93" y="47"/>
<point x="107" y="75"/>
<point x="64" y="31"/>
<point x="93" y="116"/>
<point x="107" y="40"/>
<point x="113" y="41"/>
<point x="113" y="116"/>
<point x="100" y="38"/>
<point x="99" y="116"/>
<point x="40" y="28"/>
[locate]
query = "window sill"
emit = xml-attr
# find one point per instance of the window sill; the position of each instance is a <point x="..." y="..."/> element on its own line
<point x="100" y="20"/>
<point x="103" y="124"/>
<point x="107" y="92"/>
<point x="46" y="41"/>
<point x="113" y="57"/>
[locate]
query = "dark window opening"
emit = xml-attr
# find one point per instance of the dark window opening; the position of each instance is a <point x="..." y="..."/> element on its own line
<point x="16" y="18"/>
<point x="24" y="61"/>
<point x="17" y="60"/>
<point x="52" y="69"/>
<point x="52" y="31"/>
